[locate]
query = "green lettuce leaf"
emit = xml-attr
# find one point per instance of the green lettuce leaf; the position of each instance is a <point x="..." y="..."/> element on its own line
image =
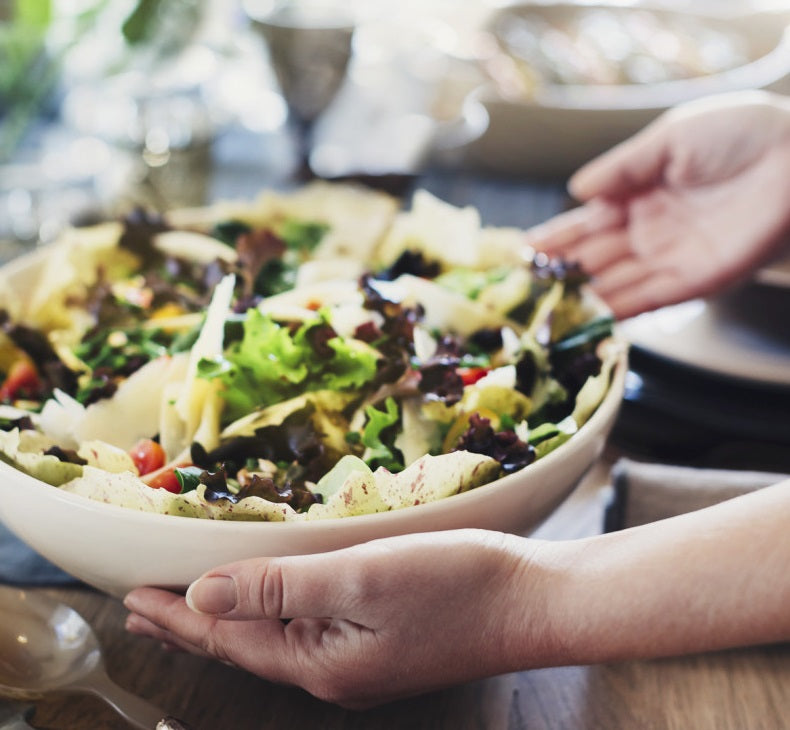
<point x="302" y="236"/>
<point x="377" y="452"/>
<point x="270" y="365"/>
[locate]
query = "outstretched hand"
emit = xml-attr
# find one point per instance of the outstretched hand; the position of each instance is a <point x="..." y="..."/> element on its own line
<point x="371" y="623"/>
<point x="690" y="205"/>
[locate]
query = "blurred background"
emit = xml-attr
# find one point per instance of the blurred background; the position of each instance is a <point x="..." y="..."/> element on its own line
<point x="106" y="104"/>
<point x="110" y="104"/>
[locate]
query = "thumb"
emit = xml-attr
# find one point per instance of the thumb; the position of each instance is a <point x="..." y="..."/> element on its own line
<point x="630" y="166"/>
<point x="305" y="586"/>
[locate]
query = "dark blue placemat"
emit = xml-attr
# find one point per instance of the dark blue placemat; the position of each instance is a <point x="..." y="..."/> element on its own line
<point x="20" y="565"/>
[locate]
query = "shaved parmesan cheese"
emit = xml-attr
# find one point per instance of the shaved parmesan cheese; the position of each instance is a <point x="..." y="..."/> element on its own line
<point x="199" y="395"/>
<point x="424" y="344"/>
<point x="431" y="223"/>
<point x="194" y="247"/>
<point x="59" y="418"/>
<point x="444" y="309"/>
<point x="133" y="411"/>
<point x="419" y="436"/>
<point x="313" y="272"/>
<point x="504" y="377"/>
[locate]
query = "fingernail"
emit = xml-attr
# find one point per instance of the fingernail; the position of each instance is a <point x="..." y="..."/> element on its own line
<point x="134" y="624"/>
<point x="214" y="594"/>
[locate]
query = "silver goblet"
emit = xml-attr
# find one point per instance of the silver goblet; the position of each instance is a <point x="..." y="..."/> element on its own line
<point x="309" y="46"/>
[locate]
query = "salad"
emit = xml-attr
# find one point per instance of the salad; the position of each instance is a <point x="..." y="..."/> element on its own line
<point x="308" y="355"/>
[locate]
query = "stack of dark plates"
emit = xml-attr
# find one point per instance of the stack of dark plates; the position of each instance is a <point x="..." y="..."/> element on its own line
<point x="709" y="382"/>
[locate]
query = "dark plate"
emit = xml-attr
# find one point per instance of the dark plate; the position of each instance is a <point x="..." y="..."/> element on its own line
<point x="688" y="415"/>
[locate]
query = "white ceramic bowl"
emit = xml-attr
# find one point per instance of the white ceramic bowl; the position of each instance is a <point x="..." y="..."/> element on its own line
<point x="116" y="549"/>
<point x="566" y="125"/>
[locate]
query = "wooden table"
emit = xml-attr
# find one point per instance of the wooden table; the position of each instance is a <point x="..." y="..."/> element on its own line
<point x="735" y="690"/>
<point x="732" y="690"/>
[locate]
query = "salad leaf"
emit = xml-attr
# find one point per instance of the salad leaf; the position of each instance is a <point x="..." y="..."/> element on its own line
<point x="269" y="258"/>
<point x="594" y="389"/>
<point x="470" y="282"/>
<point x="188" y="477"/>
<point x="25" y="451"/>
<point x="139" y="229"/>
<point x="377" y="452"/>
<point x="127" y="490"/>
<point x="228" y="231"/>
<point x="106" y="456"/>
<point x="270" y="364"/>
<point x="124" y="352"/>
<point x="439" y="380"/>
<point x="356" y="495"/>
<point x="275" y="415"/>
<point x="334" y="480"/>
<point x="549" y="436"/>
<point x="410" y="262"/>
<point x="435" y="477"/>
<point x="504" y="446"/>
<point x="302" y="236"/>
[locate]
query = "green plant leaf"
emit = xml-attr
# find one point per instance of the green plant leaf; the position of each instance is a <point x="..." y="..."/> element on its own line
<point x="136" y="27"/>
<point x="36" y="13"/>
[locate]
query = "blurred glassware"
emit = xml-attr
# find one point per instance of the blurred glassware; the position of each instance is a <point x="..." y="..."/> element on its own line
<point x="161" y="140"/>
<point x="137" y="80"/>
<point x="39" y="198"/>
<point x="309" y="45"/>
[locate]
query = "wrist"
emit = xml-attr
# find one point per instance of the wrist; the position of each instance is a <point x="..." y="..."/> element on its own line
<point x="711" y="579"/>
<point x="543" y="621"/>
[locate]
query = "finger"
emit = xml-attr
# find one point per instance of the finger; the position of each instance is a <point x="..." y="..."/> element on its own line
<point x="659" y="222"/>
<point x="307" y="586"/>
<point x="637" y="285"/>
<point x="658" y="291"/>
<point x="141" y="626"/>
<point x="170" y="613"/>
<point x="623" y="275"/>
<point x="567" y="229"/>
<point x="165" y="617"/>
<point x="600" y="251"/>
<point x="628" y="167"/>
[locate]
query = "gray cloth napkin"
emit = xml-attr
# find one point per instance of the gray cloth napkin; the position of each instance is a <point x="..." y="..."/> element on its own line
<point x="22" y="566"/>
<point x="646" y="492"/>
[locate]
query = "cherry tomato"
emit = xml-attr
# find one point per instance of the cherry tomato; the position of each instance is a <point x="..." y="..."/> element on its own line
<point x="22" y="381"/>
<point x="165" y="479"/>
<point x="147" y="456"/>
<point x="470" y="376"/>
